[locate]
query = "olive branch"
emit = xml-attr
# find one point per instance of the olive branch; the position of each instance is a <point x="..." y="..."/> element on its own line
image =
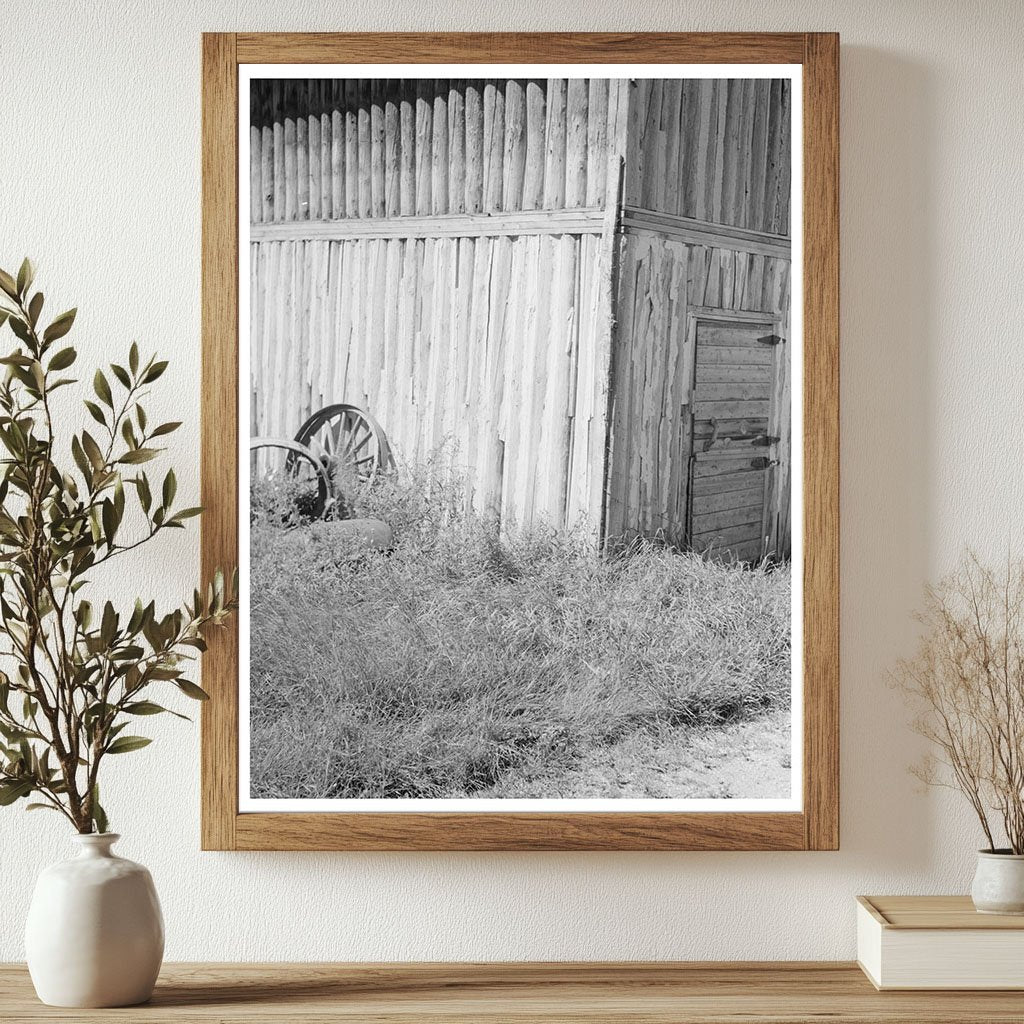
<point x="80" y="674"/>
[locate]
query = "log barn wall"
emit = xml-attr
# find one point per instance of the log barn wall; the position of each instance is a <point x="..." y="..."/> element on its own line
<point x="440" y="253"/>
<point x="705" y="227"/>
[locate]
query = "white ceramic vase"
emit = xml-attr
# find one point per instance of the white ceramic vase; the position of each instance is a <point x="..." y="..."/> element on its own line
<point x="999" y="883"/>
<point x="95" y="934"/>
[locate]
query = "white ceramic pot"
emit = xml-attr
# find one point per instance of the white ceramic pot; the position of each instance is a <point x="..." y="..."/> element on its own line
<point x="95" y="934"/>
<point x="999" y="883"/>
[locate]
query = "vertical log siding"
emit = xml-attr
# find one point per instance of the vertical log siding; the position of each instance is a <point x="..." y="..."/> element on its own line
<point x="324" y="149"/>
<point x="484" y="353"/>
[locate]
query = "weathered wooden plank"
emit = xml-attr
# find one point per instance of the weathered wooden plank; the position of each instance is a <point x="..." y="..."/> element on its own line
<point x="576" y="143"/>
<point x="526" y="222"/>
<point x="338" y="148"/>
<point x="722" y="482"/>
<point x="407" y="150"/>
<point x="597" y="141"/>
<point x="705" y="502"/>
<point x="743" y="335"/>
<point x="718" y="463"/>
<point x="730" y="433"/>
<point x="494" y="145"/>
<point x="301" y="150"/>
<point x="364" y="146"/>
<point x="759" y="355"/>
<point x="424" y="145"/>
<point x="255" y="175"/>
<point x="376" y="148"/>
<point x="721" y="373"/>
<point x="439" y="165"/>
<point x="392" y="134"/>
<point x="554" y="139"/>
<point x="324" y="116"/>
<point x="474" y="146"/>
<point x="720" y="539"/>
<point x="536" y="156"/>
<point x="724" y="392"/>
<point x="457" y="146"/>
<point x="312" y="115"/>
<point x="675" y="144"/>
<point x="746" y="519"/>
<point x="514" y="163"/>
<point x="352" y="147"/>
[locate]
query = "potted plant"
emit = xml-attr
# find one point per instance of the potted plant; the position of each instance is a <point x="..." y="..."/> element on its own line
<point x="967" y="680"/>
<point x="81" y="671"/>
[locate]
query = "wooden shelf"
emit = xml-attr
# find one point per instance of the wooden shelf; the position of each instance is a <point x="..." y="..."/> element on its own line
<point x="793" y="993"/>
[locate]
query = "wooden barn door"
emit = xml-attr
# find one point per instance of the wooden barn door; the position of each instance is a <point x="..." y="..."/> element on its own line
<point x="733" y="457"/>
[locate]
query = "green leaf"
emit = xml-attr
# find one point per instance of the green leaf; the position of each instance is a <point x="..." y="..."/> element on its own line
<point x="63" y="359"/>
<point x="133" y="358"/>
<point x="138" y="455"/>
<point x="40" y="807"/>
<point x="145" y="497"/>
<point x="102" y="388"/>
<point x="166" y="428"/>
<point x="7" y="283"/>
<point x="126" y="744"/>
<point x="108" y="624"/>
<point x="80" y="458"/>
<point x="121" y="374"/>
<point x="170" y="488"/>
<point x="92" y="449"/>
<point x="154" y="372"/>
<point x="15" y="790"/>
<point x="21" y="330"/>
<point x="144" y="707"/>
<point x="128" y="433"/>
<point x="99" y="816"/>
<point x="95" y="412"/>
<point x="26" y="274"/>
<point x="60" y="326"/>
<point x="35" y="307"/>
<point x="109" y="518"/>
<point x="186" y="513"/>
<point x="191" y="690"/>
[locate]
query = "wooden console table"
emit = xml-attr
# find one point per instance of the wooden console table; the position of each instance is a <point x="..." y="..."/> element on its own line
<point x="783" y="993"/>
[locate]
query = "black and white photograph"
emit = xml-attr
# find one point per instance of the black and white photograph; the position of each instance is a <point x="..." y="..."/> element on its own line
<point x="520" y="491"/>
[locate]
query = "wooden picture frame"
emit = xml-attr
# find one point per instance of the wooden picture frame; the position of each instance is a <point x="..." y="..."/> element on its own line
<point x="816" y="826"/>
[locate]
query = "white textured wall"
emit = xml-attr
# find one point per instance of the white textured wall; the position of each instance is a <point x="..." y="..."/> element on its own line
<point x="99" y="180"/>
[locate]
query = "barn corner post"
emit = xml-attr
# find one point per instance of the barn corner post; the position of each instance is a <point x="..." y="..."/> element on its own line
<point x="219" y="429"/>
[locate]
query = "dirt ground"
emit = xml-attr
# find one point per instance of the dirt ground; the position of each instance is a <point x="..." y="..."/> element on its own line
<point x="748" y="759"/>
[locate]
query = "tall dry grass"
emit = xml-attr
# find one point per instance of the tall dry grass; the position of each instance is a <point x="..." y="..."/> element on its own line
<point x="467" y="656"/>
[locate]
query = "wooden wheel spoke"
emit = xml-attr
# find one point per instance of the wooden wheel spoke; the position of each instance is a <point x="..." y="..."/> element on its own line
<point x="345" y="435"/>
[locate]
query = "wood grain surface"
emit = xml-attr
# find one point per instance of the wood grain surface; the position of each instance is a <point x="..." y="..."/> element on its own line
<point x="782" y="993"/>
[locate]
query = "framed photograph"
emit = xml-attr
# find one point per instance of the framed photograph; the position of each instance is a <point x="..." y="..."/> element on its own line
<point x="520" y="420"/>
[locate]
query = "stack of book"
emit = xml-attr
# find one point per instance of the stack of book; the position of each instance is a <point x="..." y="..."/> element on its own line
<point x="938" y="942"/>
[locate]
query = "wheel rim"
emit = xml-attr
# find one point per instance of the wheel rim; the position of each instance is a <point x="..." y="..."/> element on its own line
<point x="348" y="441"/>
<point x="298" y="462"/>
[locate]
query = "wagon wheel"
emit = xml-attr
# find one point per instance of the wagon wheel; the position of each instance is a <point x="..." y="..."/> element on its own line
<point x="302" y="465"/>
<point x="347" y="439"/>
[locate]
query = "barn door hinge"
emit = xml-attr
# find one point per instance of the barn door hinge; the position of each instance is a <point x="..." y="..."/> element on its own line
<point x="762" y="463"/>
<point x="770" y="339"/>
<point x="765" y="440"/>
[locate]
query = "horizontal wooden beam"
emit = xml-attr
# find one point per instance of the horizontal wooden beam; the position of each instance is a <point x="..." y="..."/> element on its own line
<point x="700" y="232"/>
<point x="586" y="221"/>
